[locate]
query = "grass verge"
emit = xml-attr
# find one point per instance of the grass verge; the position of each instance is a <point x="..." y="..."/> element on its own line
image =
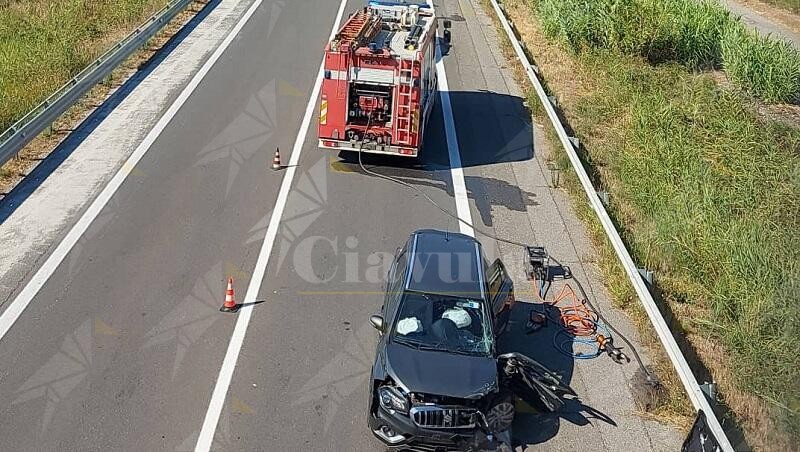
<point x="29" y="157"/>
<point x="706" y="192"/>
<point x="44" y="43"/>
<point x="770" y="69"/>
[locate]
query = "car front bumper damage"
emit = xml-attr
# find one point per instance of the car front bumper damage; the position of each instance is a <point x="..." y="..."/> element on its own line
<point x="399" y="432"/>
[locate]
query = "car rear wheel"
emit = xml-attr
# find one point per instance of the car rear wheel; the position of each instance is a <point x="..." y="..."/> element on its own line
<point x="501" y="413"/>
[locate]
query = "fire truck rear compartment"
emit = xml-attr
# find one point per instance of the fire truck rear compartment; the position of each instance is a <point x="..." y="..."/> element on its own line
<point x="379" y="80"/>
<point x="369" y="100"/>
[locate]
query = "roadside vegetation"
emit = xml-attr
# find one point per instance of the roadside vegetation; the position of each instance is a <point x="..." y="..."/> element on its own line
<point x="767" y="68"/>
<point x="789" y="5"/>
<point x="44" y="43"/>
<point x="698" y="34"/>
<point x="668" y="98"/>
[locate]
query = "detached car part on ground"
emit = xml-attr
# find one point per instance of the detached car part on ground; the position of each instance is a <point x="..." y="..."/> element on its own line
<point x="437" y="382"/>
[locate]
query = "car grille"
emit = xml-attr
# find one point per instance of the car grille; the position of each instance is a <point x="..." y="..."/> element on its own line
<point x="433" y="416"/>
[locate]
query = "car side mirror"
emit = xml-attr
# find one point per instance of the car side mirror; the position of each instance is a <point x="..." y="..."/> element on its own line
<point x="377" y="322"/>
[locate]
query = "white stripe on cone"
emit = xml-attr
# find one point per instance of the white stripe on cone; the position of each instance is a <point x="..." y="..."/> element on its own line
<point x="276" y="161"/>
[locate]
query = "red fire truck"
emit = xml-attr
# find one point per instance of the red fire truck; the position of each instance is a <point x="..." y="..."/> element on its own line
<point x="380" y="81"/>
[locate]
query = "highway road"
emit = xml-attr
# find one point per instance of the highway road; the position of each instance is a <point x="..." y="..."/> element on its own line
<point x="122" y="347"/>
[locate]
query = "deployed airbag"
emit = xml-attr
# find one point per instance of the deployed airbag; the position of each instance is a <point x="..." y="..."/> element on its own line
<point x="459" y="316"/>
<point x="409" y="325"/>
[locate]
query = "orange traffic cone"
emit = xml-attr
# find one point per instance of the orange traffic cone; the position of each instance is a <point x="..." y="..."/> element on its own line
<point x="276" y="161"/>
<point x="230" y="304"/>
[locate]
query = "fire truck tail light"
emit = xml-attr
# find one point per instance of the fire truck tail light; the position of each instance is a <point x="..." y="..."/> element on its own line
<point x="405" y="151"/>
<point x="332" y="144"/>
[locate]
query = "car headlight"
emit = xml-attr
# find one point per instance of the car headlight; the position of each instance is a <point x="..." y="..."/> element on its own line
<point x="392" y="399"/>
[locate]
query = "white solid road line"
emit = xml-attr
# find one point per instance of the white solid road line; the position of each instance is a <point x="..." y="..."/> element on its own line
<point x="24" y="298"/>
<point x="206" y="437"/>
<point x="456" y="172"/>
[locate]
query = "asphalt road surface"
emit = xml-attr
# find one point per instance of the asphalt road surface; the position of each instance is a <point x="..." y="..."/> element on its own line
<point x="123" y="347"/>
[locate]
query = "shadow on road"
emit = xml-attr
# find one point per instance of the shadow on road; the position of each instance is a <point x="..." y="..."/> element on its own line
<point x="494" y="192"/>
<point x="491" y="129"/>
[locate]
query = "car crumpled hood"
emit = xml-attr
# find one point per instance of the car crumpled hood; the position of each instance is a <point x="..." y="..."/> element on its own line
<point x="441" y="373"/>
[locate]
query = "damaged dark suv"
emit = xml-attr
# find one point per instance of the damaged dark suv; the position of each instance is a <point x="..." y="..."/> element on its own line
<point x="438" y="382"/>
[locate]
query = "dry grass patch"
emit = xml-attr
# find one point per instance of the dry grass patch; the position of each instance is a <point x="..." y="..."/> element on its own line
<point x="785" y="12"/>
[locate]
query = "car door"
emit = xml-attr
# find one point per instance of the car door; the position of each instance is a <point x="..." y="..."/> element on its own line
<point x="393" y="289"/>
<point x="532" y="382"/>
<point x="501" y="294"/>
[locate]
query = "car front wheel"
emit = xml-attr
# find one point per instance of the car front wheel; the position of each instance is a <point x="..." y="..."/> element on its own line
<point x="501" y="413"/>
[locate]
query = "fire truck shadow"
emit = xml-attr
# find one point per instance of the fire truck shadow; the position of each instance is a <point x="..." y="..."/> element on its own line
<point x="490" y="127"/>
<point x="534" y="425"/>
<point x="484" y="191"/>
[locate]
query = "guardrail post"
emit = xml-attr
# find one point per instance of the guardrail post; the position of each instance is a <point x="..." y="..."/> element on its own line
<point x="603" y="195"/>
<point x="647" y="275"/>
<point x="575" y="142"/>
<point x="710" y="390"/>
<point x="555" y="174"/>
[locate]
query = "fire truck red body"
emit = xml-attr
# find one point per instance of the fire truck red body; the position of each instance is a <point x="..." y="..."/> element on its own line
<point x="380" y="80"/>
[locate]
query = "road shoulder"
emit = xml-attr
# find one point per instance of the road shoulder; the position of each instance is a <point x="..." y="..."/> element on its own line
<point x="513" y="197"/>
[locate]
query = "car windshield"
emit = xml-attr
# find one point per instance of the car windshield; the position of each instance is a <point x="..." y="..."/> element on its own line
<point x="436" y="322"/>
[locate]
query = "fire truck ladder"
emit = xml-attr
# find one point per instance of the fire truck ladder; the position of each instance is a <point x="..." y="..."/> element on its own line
<point x="342" y="73"/>
<point x="405" y="107"/>
<point x="360" y="26"/>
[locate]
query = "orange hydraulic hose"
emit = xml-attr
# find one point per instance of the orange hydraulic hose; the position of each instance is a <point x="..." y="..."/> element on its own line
<point x="575" y="317"/>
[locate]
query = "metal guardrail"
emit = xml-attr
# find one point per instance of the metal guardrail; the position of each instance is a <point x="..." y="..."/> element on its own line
<point x="696" y="394"/>
<point x="32" y="124"/>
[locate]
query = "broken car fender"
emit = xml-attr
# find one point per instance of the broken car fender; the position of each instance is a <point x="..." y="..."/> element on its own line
<point x="533" y="382"/>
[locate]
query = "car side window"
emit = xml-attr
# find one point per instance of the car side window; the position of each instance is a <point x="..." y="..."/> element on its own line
<point x="497" y="275"/>
<point x="394" y="285"/>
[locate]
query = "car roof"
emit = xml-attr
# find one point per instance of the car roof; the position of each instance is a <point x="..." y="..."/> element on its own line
<point x="448" y="263"/>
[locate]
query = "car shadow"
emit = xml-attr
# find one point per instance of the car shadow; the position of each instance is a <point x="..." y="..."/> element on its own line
<point x="532" y="425"/>
<point x="14" y="198"/>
